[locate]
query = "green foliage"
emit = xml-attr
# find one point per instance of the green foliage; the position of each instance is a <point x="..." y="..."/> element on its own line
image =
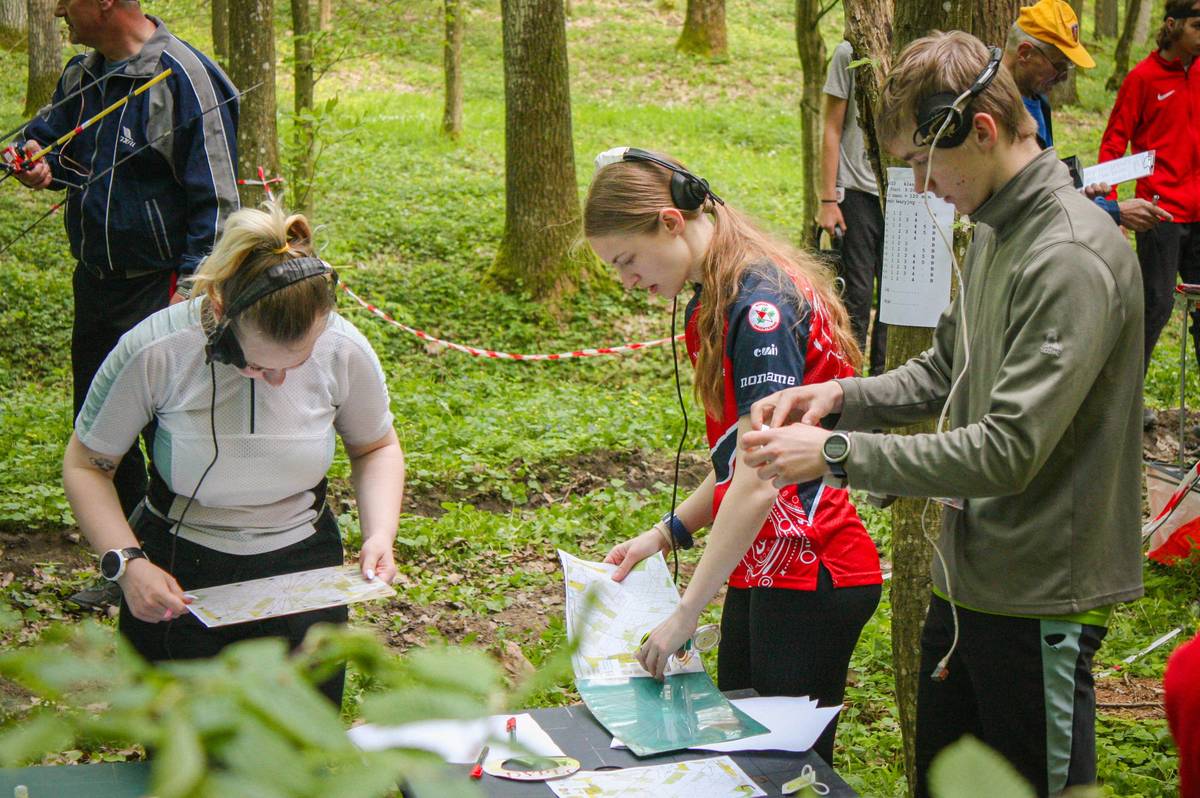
<point x="964" y="767"/>
<point x="248" y="722"/>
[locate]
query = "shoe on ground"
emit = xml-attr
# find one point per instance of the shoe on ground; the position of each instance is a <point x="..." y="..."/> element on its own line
<point x="1149" y="419"/>
<point x="100" y="596"/>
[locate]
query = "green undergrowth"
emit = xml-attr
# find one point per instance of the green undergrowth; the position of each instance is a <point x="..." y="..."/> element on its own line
<point x="509" y="461"/>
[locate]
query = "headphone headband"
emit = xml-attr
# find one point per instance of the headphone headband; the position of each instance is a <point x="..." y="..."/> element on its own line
<point x="222" y="345"/>
<point x="933" y="111"/>
<point x="688" y="192"/>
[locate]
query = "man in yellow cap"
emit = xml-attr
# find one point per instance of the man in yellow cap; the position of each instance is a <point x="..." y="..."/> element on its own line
<point x="1043" y="47"/>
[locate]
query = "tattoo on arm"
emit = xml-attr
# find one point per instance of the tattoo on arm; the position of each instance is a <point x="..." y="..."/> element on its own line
<point x="103" y="463"/>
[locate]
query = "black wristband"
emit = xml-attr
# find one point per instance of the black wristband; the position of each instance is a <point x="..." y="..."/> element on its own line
<point x="679" y="533"/>
<point x="833" y="201"/>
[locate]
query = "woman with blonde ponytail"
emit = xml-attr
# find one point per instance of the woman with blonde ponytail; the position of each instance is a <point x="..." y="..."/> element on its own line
<point x="803" y="574"/>
<point x="244" y="387"/>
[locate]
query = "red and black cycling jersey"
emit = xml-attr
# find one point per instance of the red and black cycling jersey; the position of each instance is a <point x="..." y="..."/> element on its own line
<point x="778" y="335"/>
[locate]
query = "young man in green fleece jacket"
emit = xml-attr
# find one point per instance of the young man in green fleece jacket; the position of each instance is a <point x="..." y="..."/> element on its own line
<point x="1041" y="453"/>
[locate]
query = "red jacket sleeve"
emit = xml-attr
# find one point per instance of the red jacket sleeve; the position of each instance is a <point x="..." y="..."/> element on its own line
<point x="1123" y="119"/>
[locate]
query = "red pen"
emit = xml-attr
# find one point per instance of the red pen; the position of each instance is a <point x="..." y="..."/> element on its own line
<point x="477" y="771"/>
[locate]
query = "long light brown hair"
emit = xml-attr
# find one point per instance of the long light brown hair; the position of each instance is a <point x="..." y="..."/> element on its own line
<point x="625" y="199"/>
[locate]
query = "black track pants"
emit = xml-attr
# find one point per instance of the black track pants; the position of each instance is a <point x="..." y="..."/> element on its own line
<point x="1021" y="685"/>
<point x="794" y="642"/>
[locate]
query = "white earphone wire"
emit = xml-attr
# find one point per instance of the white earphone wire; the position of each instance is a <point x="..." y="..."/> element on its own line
<point x="941" y="671"/>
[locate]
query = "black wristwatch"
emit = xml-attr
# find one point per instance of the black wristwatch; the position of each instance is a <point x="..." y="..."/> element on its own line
<point x="679" y="533"/>
<point x="836" y="450"/>
<point x="113" y="561"/>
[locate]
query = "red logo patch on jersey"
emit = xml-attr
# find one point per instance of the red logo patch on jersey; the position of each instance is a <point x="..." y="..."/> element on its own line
<point x="764" y="317"/>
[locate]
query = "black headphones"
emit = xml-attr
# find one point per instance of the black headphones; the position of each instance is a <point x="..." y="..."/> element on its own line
<point x="933" y="110"/>
<point x="688" y="192"/>
<point x="222" y="345"/>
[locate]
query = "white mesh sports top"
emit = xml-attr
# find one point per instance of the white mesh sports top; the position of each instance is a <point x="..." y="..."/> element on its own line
<point x="275" y="443"/>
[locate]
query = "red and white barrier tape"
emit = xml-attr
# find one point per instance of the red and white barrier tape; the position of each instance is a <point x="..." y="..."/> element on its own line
<point x="471" y="350"/>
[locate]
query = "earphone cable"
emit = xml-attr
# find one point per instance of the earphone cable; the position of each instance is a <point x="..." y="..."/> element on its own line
<point x="941" y="670"/>
<point x="682" y="435"/>
<point x="212" y="420"/>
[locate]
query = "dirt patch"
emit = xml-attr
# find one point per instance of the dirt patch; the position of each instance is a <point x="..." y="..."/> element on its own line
<point x="1161" y="443"/>
<point x="20" y="552"/>
<point x="584" y="472"/>
<point x="1131" y="698"/>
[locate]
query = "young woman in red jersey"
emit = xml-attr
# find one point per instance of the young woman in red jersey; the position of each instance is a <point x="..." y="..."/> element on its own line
<point x="803" y="574"/>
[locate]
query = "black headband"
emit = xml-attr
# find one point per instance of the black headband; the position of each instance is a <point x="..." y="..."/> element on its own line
<point x="1189" y="14"/>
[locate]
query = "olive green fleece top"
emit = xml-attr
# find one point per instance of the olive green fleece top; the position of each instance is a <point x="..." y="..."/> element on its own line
<point x="1044" y="434"/>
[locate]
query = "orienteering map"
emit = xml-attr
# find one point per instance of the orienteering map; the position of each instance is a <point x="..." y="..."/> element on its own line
<point x="609" y="618"/>
<point x="285" y="595"/>
<point x="719" y="777"/>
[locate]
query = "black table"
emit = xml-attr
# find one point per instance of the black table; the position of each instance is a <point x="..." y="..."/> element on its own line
<point x="582" y="737"/>
<point x="574" y="729"/>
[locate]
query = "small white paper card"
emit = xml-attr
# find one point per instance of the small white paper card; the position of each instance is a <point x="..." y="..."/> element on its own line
<point x="1118" y="170"/>
<point x="916" y="261"/>
<point x="286" y="594"/>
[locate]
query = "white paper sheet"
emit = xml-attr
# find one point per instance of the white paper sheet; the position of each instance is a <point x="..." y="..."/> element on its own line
<point x="286" y="594"/>
<point x="1118" y="170"/>
<point x="459" y="741"/>
<point x="718" y="777"/>
<point x="915" y="288"/>
<point x="795" y="723"/>
<point x="611" y="629"/>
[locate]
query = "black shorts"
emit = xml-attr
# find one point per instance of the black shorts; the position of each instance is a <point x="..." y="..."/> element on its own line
<point x="197" y="566"/>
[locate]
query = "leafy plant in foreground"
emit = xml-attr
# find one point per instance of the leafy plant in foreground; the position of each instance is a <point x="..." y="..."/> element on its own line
<point x="250" y="721"/>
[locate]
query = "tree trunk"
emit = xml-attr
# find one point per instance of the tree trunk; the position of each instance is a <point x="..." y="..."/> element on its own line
<point x="869" y="25"/>
<point x="811" y="48"/>
<point x="992" y="20"/>
<point x="452" y="112"/>
<point x="1067" y="92"/>
<point x="14" y="24"/>
<point x="541" y="215"/>
<point x="869" y="30"/>
<point x="251" y="63"/>
<point x="220" y="30"/>
<point x="45" y="55"/>
<point x="325" y="14"/>
<point x="1133" y="13"/>
<point x="704" y="29"/>
<point x="1143" y="24"/>
<point x="304" y="166"/>
<point x="1106" y="18"/>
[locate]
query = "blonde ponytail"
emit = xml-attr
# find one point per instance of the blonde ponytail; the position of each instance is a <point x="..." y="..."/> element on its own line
<point x="253" y="241"/>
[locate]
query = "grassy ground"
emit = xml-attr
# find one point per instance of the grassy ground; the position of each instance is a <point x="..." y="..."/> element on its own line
<point x="508" y="461"/>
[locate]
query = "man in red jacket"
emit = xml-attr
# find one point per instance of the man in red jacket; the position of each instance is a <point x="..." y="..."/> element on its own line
<point x="1182" y="687"/>
<point x="1158" y="108"/>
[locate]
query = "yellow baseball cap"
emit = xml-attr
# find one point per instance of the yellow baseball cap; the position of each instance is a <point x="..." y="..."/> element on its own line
<point x="1054" y="22"/>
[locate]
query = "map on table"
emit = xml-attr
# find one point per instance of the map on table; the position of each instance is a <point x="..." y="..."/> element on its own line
<point x="719" y="777"/>
<point x="286" y="594"/>
<point x="609" y="618"/>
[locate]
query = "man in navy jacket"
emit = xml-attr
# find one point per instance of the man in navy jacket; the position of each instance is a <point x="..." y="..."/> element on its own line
<point x="139" y="228"/>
